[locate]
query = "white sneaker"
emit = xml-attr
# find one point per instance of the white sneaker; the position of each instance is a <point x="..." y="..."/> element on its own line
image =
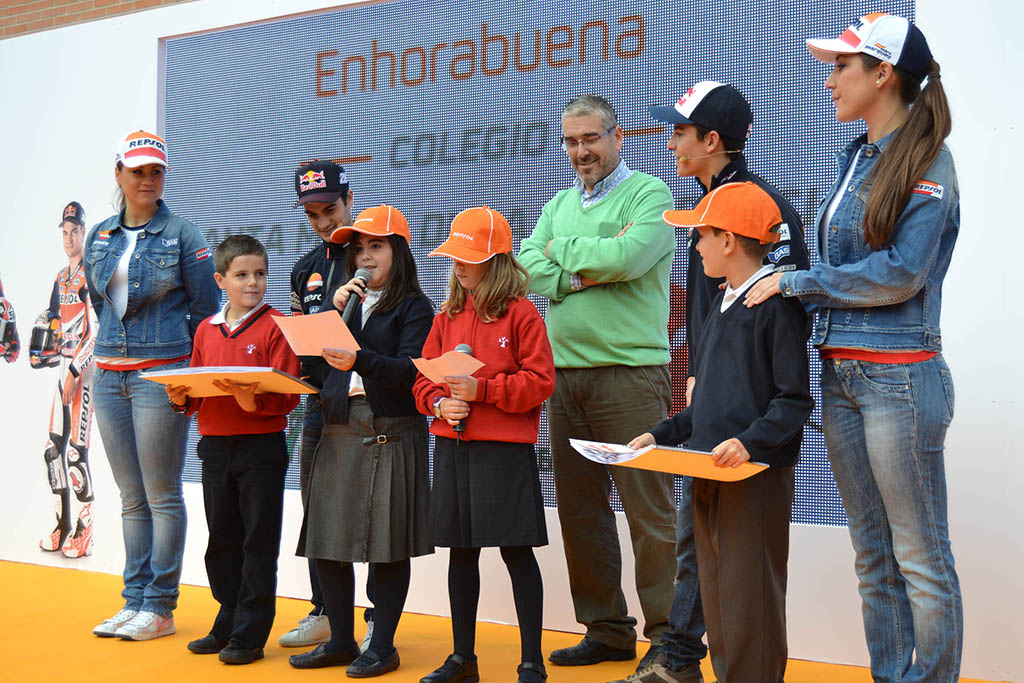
<point x="312" y="630"/>
<point x="109" y="626"/>
<point x="146" y="626"/>
<point x="365" y="645"/>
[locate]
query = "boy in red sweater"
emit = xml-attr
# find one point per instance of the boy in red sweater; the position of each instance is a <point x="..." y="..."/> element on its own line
<point x="243" y="452"/>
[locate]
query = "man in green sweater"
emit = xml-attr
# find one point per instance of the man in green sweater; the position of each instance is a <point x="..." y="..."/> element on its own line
<point x="601" y="253"/>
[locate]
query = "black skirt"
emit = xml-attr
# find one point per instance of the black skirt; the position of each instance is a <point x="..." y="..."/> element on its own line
<point x="486" y="494"/>
<point x="368" y="490"/>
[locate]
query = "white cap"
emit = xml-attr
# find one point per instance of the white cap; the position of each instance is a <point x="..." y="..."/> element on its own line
<point x="886" y="37"/>
<point x="141" y="148"/>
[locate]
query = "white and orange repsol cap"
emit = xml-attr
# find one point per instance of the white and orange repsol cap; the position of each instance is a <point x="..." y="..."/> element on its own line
<point x="886" y="37"/>
<point x="477" y="235"/>
<point x="378" y="221"/>
<point x="141" y="148"/>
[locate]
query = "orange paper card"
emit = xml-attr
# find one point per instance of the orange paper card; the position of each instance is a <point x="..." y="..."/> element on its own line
<point x="451" y="364"/>
<point x="309" y="335"/>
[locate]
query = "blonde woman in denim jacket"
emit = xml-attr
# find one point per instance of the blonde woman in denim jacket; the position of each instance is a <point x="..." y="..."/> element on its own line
<point x="150" y="276"/>
<point x="886" y="233"/>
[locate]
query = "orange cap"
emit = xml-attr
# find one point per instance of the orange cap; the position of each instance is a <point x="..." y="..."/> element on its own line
<point x="477" y="234"/>
<point x="741" y="208"/>
<point x="341" y="235"/>
<point x="379" y="221"/>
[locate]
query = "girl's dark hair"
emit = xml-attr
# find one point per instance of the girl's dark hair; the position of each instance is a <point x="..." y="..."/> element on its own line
<point x="402" y="282"/>
<point x="914" y="148"/>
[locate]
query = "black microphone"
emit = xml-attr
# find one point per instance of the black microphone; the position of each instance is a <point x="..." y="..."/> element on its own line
<point x="353" y="300"/>
<point x="460" y="426"/>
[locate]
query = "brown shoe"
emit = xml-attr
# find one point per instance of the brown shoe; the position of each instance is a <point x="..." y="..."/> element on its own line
<point x="657" y="672"/>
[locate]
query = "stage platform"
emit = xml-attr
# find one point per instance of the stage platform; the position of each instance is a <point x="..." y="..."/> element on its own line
<point x="48" y="615"/>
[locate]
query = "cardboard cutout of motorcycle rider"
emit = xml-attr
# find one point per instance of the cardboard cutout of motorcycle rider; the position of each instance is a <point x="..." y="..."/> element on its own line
<point x="64" y="336"/>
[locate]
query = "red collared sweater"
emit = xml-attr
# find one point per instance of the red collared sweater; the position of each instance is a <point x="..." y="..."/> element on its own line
<point x="517" y="377"/>
<point x="259" y="342"/>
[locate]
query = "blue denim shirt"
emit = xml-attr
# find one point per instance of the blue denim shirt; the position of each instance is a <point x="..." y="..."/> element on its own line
<point x="888" y="299"/>
<point x="170" y="286"/>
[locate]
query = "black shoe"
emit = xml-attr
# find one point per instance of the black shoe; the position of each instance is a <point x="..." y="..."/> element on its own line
<point x="455" y="668"/>
<point x="652" y="654"/>
<point x="320" y="657"/>
<point x="207" y="645"/>
<point x="238" y="653"/>
<point x="370" y="664"/>
<point x="591" y="651"/>
<point x="531" y="672"/>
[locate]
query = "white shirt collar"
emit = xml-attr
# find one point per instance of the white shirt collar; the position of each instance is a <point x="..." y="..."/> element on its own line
<point x="220" y="317"/>
<point x="731" y="295"/>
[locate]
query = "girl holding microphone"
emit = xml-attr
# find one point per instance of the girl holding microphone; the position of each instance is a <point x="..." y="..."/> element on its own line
<point x="369" y="488"/>
<point x="486" y="486"/>
<point x="886" y="234"/>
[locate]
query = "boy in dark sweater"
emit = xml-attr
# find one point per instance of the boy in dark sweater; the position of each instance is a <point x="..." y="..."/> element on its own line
<point x="751" y="400"/>
<point x="244" y="454"/>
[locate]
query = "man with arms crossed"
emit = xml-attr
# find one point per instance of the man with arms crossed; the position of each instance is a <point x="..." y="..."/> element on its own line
<point x="601" y="254"/>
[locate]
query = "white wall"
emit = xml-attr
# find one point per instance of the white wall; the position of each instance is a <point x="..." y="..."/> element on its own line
<point x="69" y="93"/>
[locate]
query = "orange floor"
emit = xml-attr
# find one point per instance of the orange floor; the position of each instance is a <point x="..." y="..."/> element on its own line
<point x="48" y="615"/>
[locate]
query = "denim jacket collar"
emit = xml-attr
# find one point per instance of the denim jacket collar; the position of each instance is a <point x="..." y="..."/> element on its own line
<point x="862" y="141"/>
<point x="156" y="224"/>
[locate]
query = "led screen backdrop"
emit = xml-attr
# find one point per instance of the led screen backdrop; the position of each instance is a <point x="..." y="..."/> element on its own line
<point x="435" y="107"/>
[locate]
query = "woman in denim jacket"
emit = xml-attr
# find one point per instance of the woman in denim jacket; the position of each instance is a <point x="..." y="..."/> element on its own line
<point x="150" y="274"/>
<point x="886" y="233"/>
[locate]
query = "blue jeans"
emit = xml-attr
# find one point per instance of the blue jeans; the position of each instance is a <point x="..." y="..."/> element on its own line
<point x="682" y="644"/>
<point x="885" y="427"/>
<point x="145" y="444"/>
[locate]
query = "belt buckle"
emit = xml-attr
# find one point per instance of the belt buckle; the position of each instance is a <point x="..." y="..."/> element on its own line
<point x="382" y="438"/>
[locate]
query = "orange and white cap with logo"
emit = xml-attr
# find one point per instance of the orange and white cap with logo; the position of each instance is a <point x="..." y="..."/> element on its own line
<point x="886" y="37"/>
<point x="741" y="208"/>
<point x="477" y="234"/>
<point x="379" y="221"/>
<point x="141" y="148"/>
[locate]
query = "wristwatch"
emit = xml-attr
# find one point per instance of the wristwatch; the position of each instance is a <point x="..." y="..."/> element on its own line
<point x="437" y="405"/>
<point x="576" y="282"/>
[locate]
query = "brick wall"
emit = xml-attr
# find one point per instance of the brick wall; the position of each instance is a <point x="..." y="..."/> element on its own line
<point x="20" y="18"/>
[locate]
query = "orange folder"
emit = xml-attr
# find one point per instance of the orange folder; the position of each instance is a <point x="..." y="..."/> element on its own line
<point x="200" y="380"/>
<point x="668" y="459"/>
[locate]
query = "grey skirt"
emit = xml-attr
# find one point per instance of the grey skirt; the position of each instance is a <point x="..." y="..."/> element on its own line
<point x="369" y="490"/>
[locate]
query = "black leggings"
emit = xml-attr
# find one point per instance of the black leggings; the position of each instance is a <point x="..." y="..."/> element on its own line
<point x="338" y="583"/>
<point x="464" y="595"/>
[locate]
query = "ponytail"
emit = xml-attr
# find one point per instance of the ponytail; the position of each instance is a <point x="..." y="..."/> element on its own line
<point x="118" y="198"/>
<point x="914" y="148"/>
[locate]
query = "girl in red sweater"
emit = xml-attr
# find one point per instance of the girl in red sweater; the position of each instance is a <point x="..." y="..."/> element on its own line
<point x="486" y="487"/>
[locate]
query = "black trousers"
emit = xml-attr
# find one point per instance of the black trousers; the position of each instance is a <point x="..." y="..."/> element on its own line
<point x="741" y="530"/>
<point x="243" y="491"/>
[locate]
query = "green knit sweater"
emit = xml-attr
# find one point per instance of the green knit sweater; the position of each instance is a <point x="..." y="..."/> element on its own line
<point x="625" y="321"/>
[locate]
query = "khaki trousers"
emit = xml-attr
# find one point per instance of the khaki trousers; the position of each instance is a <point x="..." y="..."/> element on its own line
<point x="613" y="404"/>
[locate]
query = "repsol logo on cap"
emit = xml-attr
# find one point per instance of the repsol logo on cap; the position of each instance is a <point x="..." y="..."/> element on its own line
<point x="147" y="142"/>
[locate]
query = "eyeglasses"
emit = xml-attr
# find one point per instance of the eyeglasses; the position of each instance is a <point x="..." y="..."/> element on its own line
<point x="587" y="141"/>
